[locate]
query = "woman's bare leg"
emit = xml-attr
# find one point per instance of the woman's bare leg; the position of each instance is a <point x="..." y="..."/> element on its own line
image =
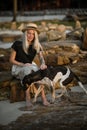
<point x="28" y="98"/>
<point x="45" y="102"/>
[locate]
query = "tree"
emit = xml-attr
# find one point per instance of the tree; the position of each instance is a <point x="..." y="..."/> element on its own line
<point x="14" y="10"/>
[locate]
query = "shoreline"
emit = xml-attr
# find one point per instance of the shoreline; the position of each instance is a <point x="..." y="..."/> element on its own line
<point x="9" y="112"/>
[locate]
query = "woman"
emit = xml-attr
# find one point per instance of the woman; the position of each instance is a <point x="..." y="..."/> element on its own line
<point x="22" y="55"/>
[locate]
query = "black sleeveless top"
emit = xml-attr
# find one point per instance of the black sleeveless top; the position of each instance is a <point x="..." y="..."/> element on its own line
<point x="21" y="56"/>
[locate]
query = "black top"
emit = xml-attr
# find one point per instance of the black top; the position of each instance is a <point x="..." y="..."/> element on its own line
<point x="21" y="56"/>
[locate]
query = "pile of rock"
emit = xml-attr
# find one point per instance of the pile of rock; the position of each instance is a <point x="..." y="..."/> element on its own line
<point x="55" y="32"/>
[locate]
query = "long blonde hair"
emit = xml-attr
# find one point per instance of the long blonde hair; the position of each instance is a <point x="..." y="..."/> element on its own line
<point x="36" y="44"/>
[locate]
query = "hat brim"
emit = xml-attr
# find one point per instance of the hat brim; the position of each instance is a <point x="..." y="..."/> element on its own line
<point x="33" y="28"/>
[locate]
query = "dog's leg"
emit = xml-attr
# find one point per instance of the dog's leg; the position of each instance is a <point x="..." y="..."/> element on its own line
<point x="81" y="85"/>
<point x="58" y="77"/>
<point x="63" y="78"/>
<point x="53" y="91"/>
<point x="63" y="90"/>
<point x="37" y="93"/>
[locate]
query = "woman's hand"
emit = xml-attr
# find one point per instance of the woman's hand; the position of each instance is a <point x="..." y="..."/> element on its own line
<point x="27" y="64"/>
<point x="43" y="66"/>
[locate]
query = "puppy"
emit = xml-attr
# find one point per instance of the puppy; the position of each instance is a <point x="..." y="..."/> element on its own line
<point x="51" y="76"/>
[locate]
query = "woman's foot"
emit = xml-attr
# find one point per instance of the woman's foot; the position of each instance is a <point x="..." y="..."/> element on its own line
<point x="29" y="104"/>
<point x="46" y="103"/>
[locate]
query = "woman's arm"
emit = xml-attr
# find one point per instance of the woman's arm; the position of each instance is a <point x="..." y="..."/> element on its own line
<point x="12" y="58"/>
<point x="42" y="61"/>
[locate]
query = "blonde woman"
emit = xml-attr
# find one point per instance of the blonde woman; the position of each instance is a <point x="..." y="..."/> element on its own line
<point x="22" y="55"/>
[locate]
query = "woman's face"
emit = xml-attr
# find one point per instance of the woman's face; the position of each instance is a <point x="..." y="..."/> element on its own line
<point x="30" y="35"/>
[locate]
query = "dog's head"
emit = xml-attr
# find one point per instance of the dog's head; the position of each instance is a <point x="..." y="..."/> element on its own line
<point x="26" y="80"/>
<point x="34" y="76"/>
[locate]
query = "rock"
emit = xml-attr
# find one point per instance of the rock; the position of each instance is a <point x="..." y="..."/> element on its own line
<point x="51" y="59"/>
<point x="52" y="26"/>
<point x="75" y="49"/>
<point x="16" y="92"/>
<point x="61" y="28"/>
<point x="63" y="60"/>
<point x="43" y="37"/>
<point x="84" y="45"/>
<point x="10" y="35"/>
<point x="77" y="24"/>
<point x="4" y="59"/>
<point x="53" y="35"/>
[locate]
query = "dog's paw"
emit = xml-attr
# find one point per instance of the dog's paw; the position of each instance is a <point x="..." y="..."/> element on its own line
<point x="34" y="100"/>
<point x="52" y="101"/>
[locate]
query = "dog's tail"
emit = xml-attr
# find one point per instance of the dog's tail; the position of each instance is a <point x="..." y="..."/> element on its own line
<point x="62" y="84"/>
<point x="80" y="83"/>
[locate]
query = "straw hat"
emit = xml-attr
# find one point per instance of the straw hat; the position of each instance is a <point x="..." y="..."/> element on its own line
<point x="30" y="26"/>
